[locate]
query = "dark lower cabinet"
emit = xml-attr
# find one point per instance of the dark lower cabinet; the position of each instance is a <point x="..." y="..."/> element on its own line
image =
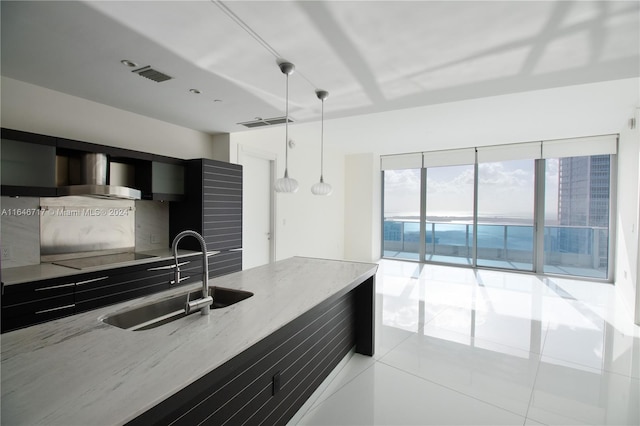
<point x="224" y="263"/>
<point x="41" y="301"/>
<point x="269" y="382"/>
<point x="36" y="302"/>
<point x="117" y="285"/>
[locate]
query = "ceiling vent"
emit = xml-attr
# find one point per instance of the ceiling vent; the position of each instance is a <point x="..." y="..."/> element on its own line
<point x="151" y="74"/>
<point x="259" y="122"/>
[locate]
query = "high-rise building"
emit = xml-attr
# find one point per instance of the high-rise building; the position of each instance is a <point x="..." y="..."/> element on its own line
<point x="583" y="205"/>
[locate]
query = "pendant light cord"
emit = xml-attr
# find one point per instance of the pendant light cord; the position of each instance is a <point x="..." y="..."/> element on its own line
<point x="286" y="131"/>
<point x="322" y="144"/>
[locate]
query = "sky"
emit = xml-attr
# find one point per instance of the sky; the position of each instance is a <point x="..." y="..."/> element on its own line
<point x="505" y="189"/>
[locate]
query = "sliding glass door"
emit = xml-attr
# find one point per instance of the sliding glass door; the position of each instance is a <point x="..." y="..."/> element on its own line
<point x="449" y="214"/>
<point x="576" y="231"/>
<point x="401" y="223"/>
<point x="506" y="192"/>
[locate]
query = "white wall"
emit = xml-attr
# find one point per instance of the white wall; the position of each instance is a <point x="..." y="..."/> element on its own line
<point x="306" y="224"/>
<point x="626" y="276"/>
<point x="362" y="208"/>
<point x="35" y="109"/>
<point x="564" y="112"/>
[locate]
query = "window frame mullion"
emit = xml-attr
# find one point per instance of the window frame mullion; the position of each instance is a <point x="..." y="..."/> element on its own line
<point x="422" y="252"/>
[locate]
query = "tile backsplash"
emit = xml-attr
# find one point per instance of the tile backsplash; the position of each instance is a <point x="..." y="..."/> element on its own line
<point x="152" y="225"/>
<point x="20" y="229"/>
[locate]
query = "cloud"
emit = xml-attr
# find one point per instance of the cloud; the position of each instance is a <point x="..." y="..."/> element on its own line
<point x="496" y="174"/>
<point x="505" y="189"/>
<point x="405" y="180"/>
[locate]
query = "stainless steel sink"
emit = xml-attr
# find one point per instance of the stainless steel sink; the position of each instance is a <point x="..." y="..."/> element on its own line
<point x="166" y="310"/>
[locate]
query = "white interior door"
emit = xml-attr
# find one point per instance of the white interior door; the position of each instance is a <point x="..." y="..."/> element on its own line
<point x="257" y="199"/>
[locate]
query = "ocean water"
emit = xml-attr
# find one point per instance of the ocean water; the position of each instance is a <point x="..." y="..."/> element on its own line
<point x="579" y="240"/>
<point x="518" y="237"/>
<point x="489" y="236"/>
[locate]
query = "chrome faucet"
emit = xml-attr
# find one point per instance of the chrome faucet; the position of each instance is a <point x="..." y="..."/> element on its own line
<point x="205" y="301"/>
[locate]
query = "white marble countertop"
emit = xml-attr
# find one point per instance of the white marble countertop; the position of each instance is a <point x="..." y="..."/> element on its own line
<point x="43" y="271"/>
<point x="80" y="371"/>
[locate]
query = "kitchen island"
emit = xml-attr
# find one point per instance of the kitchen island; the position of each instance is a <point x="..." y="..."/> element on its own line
<point x="79" y="370"/>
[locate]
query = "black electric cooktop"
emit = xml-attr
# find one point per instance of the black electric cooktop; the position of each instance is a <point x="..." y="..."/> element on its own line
<point x="102" y="260"/>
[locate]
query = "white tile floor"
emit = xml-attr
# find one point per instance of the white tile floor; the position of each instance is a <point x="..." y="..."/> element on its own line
<point x="465" y="347"/>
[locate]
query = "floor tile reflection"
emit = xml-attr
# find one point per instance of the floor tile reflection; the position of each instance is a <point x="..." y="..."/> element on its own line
<point x="383" y="395"/>
<point x="463" y="346"/>
<point x="567" y="393"/>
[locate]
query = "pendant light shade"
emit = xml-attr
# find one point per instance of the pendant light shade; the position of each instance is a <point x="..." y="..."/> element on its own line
<point x="322" y="188"/>
<point x="286" y="184"/>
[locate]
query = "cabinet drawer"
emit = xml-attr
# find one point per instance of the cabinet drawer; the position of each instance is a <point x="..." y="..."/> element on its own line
<point x="121" y="284"/>
<point x="225" y="263"/>
<point x="36" y="290"/>
<point x="36" y="302"/>
<point x="88" y="303"/>
<point x="132" y="282"/>
<point x="193" y="270"/>
<point x="25" y="314"/>
<point x="38" y="307"/>
<point x="10" y="323"/>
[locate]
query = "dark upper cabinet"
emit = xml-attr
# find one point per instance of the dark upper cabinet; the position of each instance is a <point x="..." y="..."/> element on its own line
<point x="157" y="177"/>
<point x="115" y="154"/>
<point x="28" y="164"/>
<point x="34" y="165"/>
<point x="213" y="208"/>
<point x="162" y="179"/>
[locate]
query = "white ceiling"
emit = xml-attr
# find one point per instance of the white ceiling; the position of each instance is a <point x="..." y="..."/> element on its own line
<point x="371" y="56"/>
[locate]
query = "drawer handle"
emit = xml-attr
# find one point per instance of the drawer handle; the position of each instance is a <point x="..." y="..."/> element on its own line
<point x="55" y="286"/>
<point x="55" y="309"/>
<point x="163" y="268"/>
<point x="91" y="281"/>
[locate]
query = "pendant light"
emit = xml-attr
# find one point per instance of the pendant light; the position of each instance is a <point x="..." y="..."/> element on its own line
<point x="286" y="184"/>
<point x="322" y="188"/>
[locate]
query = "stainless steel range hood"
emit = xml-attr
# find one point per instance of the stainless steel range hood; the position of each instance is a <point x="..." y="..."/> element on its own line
<point x="94" y="171"/>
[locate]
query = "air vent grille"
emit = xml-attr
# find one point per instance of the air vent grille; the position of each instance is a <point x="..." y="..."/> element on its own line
<point x="259" y="122"/>
<point x="151" y="74"/>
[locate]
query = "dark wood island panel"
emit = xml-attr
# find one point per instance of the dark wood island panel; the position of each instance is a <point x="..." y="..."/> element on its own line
<point x="270" y="381"/>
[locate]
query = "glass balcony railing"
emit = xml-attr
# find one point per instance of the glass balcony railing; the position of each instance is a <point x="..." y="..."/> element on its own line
<point x="576" y="250"/>
<point x="505" y="246"/>
<point x="572" y="250"/>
